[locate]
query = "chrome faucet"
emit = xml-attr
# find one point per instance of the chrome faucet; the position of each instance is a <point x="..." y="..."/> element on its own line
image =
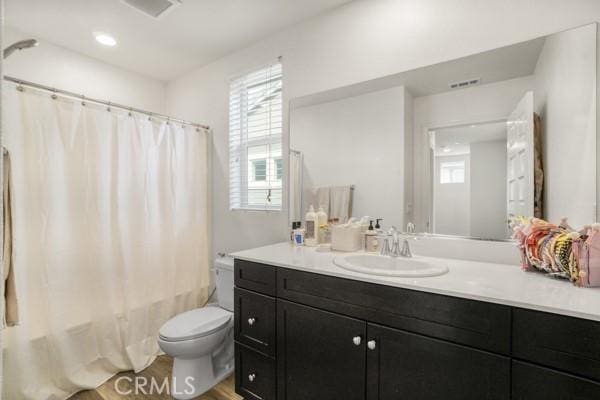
<point x="395" y="250"/>
<point x="385" y="247"/>
<point x="405" y="252"/>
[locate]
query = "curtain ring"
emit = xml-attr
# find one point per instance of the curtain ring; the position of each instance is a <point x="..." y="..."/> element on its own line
<point x="168" y="121"/>
<point x="54" y="96"/>
<point x="108" y="108"/>
<point x="150" y="117"/>
<point x="83" y="100"/>
<point x="130" y="114"/>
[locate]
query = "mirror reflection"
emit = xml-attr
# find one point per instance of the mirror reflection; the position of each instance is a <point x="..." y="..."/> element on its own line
<point x="458" y="148"/>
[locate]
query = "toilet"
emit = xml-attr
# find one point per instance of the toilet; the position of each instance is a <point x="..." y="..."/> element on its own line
<point x="201" y="340"/>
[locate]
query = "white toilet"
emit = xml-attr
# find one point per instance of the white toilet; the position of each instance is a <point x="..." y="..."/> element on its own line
<point x="201" y="340"/>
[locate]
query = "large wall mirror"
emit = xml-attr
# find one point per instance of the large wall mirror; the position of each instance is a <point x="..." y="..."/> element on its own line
<point x="457" y="148"/>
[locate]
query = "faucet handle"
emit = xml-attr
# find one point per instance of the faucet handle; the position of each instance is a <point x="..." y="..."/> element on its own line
<point x="410" y="228"/>
<point x="405" y="252"/>
<point x="385" y="247"/>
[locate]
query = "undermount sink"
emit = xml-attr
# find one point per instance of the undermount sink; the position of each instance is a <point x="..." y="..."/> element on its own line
<point x="372" y="264"/>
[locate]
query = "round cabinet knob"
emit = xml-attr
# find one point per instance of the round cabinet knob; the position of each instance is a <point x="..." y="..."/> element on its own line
<point x="251" y="377"/>
<point x="251" y="321"/>
<point x="371" y="344"/>
<point x="356" y="340"/>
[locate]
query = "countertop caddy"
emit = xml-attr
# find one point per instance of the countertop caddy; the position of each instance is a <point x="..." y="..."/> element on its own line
<point x="306" y="329"/>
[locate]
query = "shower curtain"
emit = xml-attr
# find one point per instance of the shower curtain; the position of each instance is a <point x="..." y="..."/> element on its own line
<point x="110" y="239"/>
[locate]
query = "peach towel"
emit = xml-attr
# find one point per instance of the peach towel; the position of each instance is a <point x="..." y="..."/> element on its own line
<point x="11" y="309"/>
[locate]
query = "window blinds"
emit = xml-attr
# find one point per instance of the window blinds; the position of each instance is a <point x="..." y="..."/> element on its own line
<point x="255" y="130"/>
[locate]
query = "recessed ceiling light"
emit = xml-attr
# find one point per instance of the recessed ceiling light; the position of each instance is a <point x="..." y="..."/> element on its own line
<point x="105" y="39"/>
<point x="446" y="150"/>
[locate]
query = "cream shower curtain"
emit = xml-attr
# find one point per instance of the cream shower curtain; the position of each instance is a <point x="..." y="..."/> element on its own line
<point x="110" y="239"/>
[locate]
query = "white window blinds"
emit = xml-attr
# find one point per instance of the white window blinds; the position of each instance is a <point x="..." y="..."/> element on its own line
<point x="255" y="127"/>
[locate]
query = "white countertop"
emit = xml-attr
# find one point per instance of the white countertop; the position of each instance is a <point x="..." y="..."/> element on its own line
<point x="494" y="283"/>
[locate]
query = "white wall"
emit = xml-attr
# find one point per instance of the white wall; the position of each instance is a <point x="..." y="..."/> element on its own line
<point x="58" y="67"/>
<point x="363" y="40"/>
<point x="488" y="190"/>
<point x="565" y="98"/>
<point x="451" y="201"/>
<point x="483" y="103"/>
<point x="356" y="141"/>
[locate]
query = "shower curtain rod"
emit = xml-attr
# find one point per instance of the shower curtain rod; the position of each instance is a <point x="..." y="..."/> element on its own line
<point x="21" y="82"/>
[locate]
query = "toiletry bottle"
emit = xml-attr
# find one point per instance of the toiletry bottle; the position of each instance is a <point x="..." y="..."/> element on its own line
<point x="378" y="225"/>
<point x="299" y="236"/>
<point x="371" y="242"/>
<point x="322" y="224"/>
<point x="295" y="225"/>
<point x="312" y="227"/>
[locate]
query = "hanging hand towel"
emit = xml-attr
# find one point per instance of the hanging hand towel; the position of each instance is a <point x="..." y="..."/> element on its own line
<point x="11" y="309"/>
<point x="322" y="198"/>
<point x="340" y="202"/>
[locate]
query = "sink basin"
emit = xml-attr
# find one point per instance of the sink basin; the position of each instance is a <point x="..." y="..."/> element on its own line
<point x="372" y="264"/>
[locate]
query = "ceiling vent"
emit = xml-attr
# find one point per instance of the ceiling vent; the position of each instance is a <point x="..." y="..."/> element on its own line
<point x="464" y="84"/>
<point x="153" y="8"/>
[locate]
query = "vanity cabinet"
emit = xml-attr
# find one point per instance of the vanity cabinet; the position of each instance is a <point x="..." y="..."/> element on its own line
<point x="321" y="337"/>
<point x="321" y="355"/>
<point x="532" y="382"/>
<point x="403" y="365"/>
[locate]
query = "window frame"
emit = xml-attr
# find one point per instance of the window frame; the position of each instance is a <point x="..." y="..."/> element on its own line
<point x="244" y="143"/>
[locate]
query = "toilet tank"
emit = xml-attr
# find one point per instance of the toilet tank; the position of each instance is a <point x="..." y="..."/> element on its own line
<point x="224" y="272"/>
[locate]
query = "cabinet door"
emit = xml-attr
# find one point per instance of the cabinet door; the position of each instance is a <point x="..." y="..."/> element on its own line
<point x="402" y="365"/>
<point x="531" y="382"/>
<point x="320" y="355"/>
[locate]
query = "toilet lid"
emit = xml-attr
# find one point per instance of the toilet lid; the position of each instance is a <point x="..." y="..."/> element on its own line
<point x="195" y="323"/>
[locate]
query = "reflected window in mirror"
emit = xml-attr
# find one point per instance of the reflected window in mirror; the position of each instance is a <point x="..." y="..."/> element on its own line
<point x="452" y="172"/>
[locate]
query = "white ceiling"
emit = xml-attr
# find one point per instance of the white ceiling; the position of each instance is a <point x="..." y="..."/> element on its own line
<point x="193" y="34"/>
<point x="458" y="139"/>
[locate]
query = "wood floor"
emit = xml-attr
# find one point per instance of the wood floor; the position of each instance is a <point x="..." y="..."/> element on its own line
<point x="160" y="369"/>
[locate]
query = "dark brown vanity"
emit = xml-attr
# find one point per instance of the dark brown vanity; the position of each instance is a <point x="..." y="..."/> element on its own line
<point x="304" y="336"/>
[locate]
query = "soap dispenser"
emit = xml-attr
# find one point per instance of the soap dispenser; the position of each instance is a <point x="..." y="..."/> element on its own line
<point x="378" y="225"/>
<point x="371" y="242"/>
<point x="312" y="227"/>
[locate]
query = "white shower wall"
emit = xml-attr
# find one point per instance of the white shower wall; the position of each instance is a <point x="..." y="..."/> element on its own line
<point x="58" y="67"/>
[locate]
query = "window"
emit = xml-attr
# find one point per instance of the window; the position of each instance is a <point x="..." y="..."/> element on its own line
<point x="452" y="172"/>
<point x="278" y="169"/>
<point x="259" y="168"/>
<point x="255" y="127"/>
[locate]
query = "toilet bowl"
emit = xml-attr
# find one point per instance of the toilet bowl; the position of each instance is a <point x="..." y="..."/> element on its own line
<point x="201" y="340"/>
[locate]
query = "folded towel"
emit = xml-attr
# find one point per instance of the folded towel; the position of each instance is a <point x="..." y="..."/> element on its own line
<point x="340" y="202"/>
<point x="11" y="309"/>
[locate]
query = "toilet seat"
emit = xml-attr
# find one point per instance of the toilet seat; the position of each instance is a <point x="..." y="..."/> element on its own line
<point x="195" y="323"/>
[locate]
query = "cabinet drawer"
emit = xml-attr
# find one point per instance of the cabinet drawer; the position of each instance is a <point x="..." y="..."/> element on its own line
<point x="569" y="344"/>
<point x="531" y="382"/>
<point x="255" y="323"/>
<point x="254" y="276"/>
<point x="474" y="323"/>
<point x="255" y="374"/>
